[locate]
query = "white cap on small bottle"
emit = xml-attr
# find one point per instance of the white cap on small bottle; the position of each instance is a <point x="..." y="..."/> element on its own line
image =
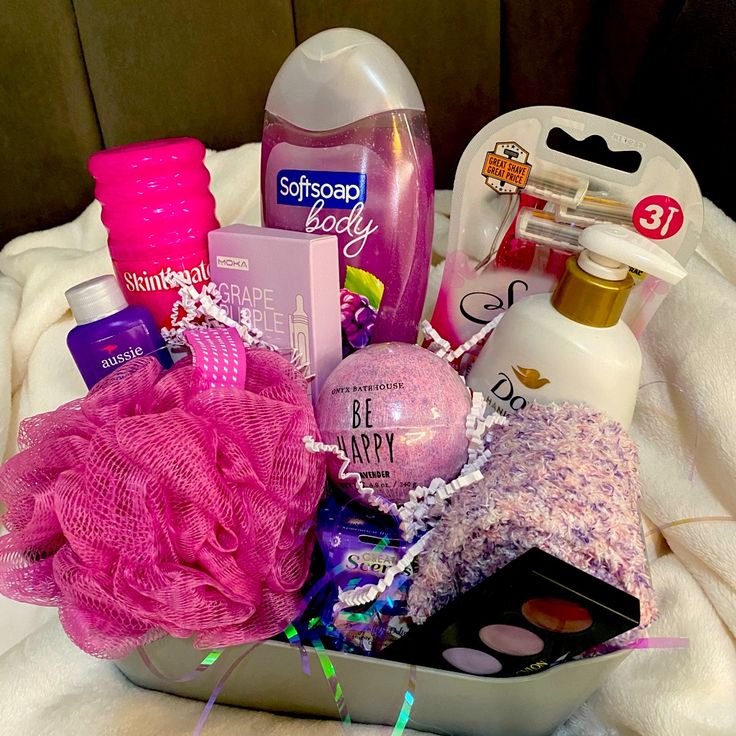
<point x="95" y="299"/>
<point x="340" y="76"/>
<point x="608" y="251"/>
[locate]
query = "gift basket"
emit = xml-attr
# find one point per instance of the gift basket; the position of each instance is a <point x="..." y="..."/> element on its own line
<point x="285" y="492"/>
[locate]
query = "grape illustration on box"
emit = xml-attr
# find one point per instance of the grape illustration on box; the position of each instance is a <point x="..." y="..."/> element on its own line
<point x="360" y="300"/>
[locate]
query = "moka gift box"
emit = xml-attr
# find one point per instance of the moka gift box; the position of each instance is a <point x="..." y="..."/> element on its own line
<point x="287" y="286"/>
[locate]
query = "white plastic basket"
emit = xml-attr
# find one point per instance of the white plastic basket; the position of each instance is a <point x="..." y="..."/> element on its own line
<point x="272" y="678"/>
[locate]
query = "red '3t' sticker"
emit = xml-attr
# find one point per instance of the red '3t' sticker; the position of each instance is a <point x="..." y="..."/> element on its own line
<point x="658" y="216"/>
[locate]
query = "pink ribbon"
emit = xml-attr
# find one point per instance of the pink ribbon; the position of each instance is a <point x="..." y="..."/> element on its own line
<point x="219" y="357"/>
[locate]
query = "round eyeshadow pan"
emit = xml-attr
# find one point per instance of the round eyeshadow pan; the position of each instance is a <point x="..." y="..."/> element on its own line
<point x="556" y="614"/>
<point x="472" y="661"/>
<point x="511" y="640"/>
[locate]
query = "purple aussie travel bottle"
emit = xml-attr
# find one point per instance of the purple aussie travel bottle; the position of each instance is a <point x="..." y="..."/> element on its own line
<point x="346" y="152"/>
<point x="109" y="332"/>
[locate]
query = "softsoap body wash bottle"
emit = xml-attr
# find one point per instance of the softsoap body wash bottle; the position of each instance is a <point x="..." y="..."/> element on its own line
<point x="346" y="152"/>
<point x="571" y="345"/>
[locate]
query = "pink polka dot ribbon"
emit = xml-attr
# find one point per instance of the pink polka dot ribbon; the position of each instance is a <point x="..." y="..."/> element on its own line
<point x="219" y="357"/>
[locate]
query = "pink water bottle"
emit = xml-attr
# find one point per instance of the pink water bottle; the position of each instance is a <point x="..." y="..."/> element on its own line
<point x="158" y="209"/>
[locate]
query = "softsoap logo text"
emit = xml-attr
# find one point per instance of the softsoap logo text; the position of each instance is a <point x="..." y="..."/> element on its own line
<point x="329" y="190"/>
<point x="337" y="190"/>
<point x="161" y="281"/>
<point x="233" y="263"/>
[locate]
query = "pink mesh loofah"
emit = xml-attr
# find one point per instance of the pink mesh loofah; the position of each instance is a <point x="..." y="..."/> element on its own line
<point x="148" y="508"/>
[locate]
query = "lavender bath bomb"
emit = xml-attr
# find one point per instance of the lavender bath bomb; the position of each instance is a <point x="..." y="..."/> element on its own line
<point x="398" y="412"/>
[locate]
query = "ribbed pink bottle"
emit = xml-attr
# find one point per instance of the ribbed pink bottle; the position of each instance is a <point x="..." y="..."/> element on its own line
<point x="158" y="209"/>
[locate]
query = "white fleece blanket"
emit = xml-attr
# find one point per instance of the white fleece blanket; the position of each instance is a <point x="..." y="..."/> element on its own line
<point x="686" y="428"/>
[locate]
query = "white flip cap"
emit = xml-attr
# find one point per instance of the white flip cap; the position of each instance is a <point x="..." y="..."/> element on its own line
<point x="609" y="250"/>
<point x="339" y="76"/>
<point x="95" y="299"/>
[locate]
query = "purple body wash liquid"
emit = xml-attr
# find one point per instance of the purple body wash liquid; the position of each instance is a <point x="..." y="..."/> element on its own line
<point x="109" y="332"/>
<point x="346" y="152"/>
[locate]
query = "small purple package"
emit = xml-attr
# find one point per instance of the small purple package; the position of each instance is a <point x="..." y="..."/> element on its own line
<point x="288" y="285"/>
<point x="360" y="545"/>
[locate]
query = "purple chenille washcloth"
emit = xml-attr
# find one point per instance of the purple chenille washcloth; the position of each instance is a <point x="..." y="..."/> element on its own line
<point x="562" y="478"/>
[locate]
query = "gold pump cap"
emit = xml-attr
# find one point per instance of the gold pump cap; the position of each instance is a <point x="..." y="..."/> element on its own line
<point x="594" y="289"/>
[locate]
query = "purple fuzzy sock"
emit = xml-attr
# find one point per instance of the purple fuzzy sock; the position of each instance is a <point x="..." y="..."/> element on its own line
<point x="562" y="478"/>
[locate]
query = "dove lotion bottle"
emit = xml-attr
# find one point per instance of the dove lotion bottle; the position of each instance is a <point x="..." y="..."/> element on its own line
<point x="572" y="345"/>
<point x="109" y="332"/>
